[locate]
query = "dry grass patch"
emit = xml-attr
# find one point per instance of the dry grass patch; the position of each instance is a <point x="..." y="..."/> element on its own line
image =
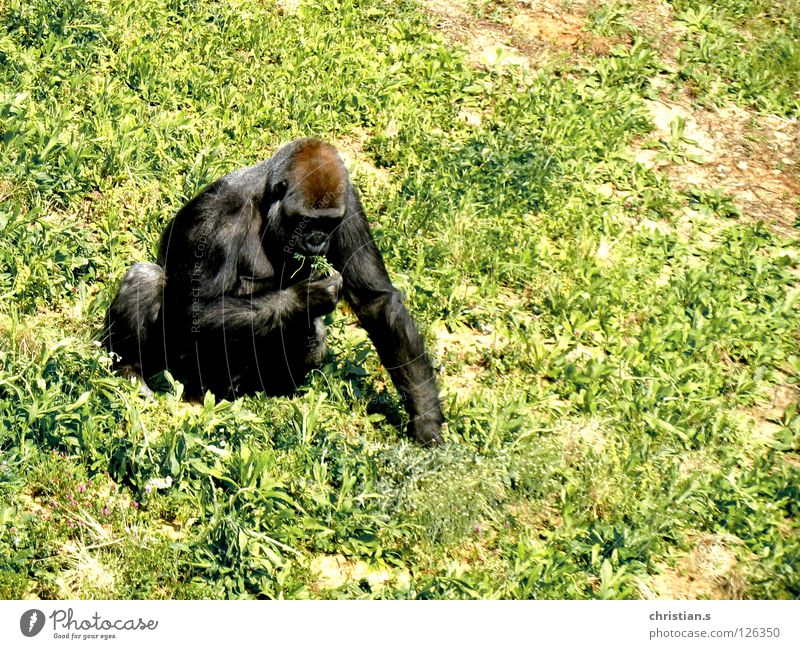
<point x="710" y="570"/>
<point x="86" y="576"/>
<point x="332" y="571"/>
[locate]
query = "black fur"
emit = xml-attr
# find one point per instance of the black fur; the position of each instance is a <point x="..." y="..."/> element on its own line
<point x="228" y="307"/>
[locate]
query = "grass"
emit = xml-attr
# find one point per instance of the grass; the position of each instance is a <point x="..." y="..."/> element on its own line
<point x="743" y="49"/>
<point x="604" y="368"/>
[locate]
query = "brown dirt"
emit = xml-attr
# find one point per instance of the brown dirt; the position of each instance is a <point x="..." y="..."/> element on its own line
<point x="763" y="419"/>
<point x="581" y="437"/>
<point x="753" y="158"/>
<point x="527" y="34"/>
<point x="465" y="347"/>
<point x="289" y="7"/>
<point x="565" y="30"/>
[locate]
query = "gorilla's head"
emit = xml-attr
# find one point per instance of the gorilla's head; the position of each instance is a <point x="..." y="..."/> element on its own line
<point x="306" y="196"/>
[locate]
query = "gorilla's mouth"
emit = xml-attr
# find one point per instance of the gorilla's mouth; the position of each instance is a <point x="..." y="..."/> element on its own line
<point x="314" y="251"/>
<point x="315" y="243"/>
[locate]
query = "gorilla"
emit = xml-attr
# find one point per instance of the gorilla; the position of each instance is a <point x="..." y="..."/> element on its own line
<point x="231" y="307"/>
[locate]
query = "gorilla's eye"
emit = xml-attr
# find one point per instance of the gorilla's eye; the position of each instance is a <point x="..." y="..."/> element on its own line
<point x="279" y="191"/>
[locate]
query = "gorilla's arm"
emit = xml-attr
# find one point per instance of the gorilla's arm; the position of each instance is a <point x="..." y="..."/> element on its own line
<point x="213" y="256"/>
<point x="380" y="310"/>
<point x="266" y="311"/>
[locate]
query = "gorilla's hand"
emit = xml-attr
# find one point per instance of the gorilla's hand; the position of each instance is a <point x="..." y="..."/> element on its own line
<point x="320" y="295"/>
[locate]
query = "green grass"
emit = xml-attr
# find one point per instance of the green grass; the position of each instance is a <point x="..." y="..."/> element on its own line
<point x="597" y="373"/>
<point x="748" y="50"/>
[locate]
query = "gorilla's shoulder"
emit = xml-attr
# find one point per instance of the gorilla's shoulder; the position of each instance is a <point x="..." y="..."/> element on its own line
<point x="248" y="182"/>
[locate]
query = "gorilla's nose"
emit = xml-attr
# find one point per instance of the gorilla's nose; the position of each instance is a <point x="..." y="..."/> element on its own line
<point x="316" y="238"/>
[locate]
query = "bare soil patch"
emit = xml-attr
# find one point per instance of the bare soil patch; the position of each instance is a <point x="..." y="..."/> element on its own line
<point x="358" y="162"/>
<point x="524" y="33"/>
<point x="466" y="347"/>
<point x="763" y="419"/>
<point x="753" y="158"/>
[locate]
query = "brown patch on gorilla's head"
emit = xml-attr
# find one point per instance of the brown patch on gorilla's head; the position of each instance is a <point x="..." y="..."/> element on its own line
<point x="320" y="173"/>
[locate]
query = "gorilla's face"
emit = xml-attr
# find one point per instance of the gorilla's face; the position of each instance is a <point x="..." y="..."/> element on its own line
<point x="314" y="231"/>
<point x="306" y="231"/>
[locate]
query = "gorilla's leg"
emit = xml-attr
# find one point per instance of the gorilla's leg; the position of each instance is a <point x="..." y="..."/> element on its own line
<point x="132" y="334"/>
<point x="278" y="363"/>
